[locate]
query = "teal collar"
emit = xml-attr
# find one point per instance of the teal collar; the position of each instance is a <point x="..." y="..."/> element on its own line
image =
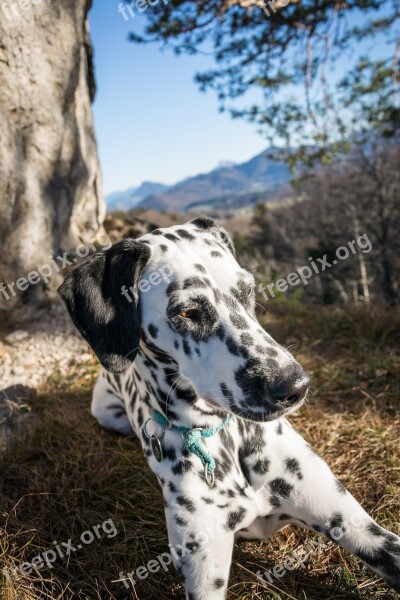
<point x="193" y="441"/>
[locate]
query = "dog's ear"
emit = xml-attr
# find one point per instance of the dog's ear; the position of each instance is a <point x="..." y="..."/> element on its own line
<point x="108" y="319"/>
<point x="209" y="223"/>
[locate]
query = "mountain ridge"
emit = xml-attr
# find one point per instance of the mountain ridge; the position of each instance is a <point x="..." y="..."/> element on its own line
<point x="226" y="186"/>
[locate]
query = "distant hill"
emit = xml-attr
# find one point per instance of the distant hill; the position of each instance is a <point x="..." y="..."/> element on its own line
<point x="130" y="198"/>
<point x="229" y="186"/>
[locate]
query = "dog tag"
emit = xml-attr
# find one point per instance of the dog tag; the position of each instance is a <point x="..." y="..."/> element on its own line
<point x="157" y="448"/>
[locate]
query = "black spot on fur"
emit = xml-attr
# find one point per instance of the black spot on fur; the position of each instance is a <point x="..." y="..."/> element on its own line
<point x="207" y="500"/>
<point x="186" y="348"/>
<point x="230" y="302"/>
<point x="193" y="547"/>
<point x="170" y="453"/>
<point x="217" y="295"/>
<point x="246" y="339"/>
<point x="220" y="331"/>
<point x="183" y="466"/>
<point x="293" y="466"/>
<point x="153" y="331"/>
<point x="195" y="282"/>
<point x="375" y="529"/>
<point x="163" y="248"/>
<point x="183" y="233"/>
<point x="226" y="391"/>
<point x="280" y="487"/>
<point x="238" y="321"/>
<point x="172" y="237"/>
<point x="173" y="287"/>
<point x="140" y="419"/>
<point x="186" y="503"/>
<point x="340" y="487"/>
<point x="204" y="222"/>
<point x="235" y="517"/>
<point x="215" y="253"/>
<point x="200" y="268"/>
<point x="172" y="487"/>
<point x="266" y="350"/>
<point x="219" y="583"/>
<point x="275" y="501"/>
<point x="232" y="346"/>
<point x="261" y="466"/>
<point x="187" y="394"/>
<point x="336" y="522"/>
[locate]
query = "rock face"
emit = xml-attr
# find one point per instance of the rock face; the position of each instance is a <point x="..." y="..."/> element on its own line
<point x="50" y="183"/>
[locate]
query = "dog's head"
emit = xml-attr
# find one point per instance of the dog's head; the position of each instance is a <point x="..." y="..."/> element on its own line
<point x="181" y="291"/>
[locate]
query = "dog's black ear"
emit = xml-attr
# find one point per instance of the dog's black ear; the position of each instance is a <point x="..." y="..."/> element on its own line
<point x="108" y="319"/>
<point x="209" y="223"/>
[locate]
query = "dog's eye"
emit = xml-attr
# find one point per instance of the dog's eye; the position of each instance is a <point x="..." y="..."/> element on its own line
<point x="189" y="313"/>
<point x="250" y="291"/>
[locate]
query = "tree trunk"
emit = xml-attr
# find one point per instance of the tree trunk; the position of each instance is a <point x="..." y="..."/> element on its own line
<point x="50" y="182"/>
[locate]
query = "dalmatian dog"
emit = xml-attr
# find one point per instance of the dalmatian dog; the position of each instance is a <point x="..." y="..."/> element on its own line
<point x="188" y="369"/>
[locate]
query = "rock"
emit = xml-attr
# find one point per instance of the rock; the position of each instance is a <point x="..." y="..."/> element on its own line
<point x="17" y="393"/>
<point x="16" y="418"/>
<point x="16" y="336"/>
<point x="50" y="182"/>
<point x="53" y="345"/>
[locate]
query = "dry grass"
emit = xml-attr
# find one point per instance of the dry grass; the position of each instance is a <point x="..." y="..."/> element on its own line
<point x="70" y="475"/>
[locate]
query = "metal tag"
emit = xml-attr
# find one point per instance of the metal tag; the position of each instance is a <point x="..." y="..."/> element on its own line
<point x="156" y="448"/>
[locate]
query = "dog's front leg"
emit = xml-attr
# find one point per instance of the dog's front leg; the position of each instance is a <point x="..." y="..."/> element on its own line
<point x="309" y="492"/>
<point x="200" y="544"/>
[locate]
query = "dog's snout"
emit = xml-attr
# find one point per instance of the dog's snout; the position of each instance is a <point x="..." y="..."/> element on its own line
<point x="291" y="388"/>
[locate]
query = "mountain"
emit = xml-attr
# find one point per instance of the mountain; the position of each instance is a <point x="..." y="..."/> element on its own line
<point x="227" y="186"/>
<point x="130" y="198"/>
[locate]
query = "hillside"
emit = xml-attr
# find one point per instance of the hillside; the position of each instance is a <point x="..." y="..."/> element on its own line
<point x="229" y="186"/>
<point x="225" y="187"/>
<point x="130" y="198"/>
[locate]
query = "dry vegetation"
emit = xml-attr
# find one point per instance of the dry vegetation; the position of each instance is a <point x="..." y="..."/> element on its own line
<point x="70" y="475"/>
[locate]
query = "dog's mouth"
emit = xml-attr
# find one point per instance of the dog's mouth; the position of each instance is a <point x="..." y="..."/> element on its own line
<point x="271" y="412"/>
<point x="264" y="416"/>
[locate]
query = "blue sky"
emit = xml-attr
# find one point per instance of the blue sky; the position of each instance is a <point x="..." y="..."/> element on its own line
<point x="152" y="122"/>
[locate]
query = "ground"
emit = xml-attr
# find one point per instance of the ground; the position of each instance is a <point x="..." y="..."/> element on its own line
<point x="69" y="475"/>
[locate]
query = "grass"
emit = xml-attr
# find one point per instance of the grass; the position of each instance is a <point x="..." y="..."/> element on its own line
<point x="69" y="475"/>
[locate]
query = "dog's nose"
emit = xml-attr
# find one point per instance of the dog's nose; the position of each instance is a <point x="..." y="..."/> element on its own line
<point x="291" y="388"/>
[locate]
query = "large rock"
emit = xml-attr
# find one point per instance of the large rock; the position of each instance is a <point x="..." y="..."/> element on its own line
<point x="50" y="183"/>
<point x="16" y="418"/>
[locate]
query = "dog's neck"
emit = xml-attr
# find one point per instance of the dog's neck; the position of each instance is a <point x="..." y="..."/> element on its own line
<point x="162" y="387"/>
